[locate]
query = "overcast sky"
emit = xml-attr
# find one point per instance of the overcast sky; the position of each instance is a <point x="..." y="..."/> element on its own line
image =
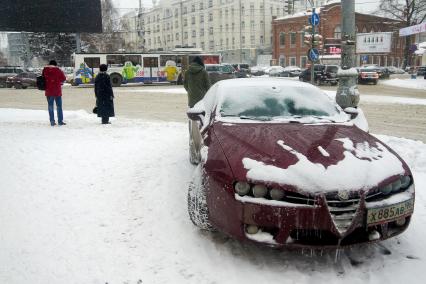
<point x="363" y="6"/>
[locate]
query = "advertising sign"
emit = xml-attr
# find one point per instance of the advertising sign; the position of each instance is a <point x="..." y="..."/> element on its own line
<point x="72" y="16"/>
<point x="420" y="28"/>
<point x="374" y="42"/>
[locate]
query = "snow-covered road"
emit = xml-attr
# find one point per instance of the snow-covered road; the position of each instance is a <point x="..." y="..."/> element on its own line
<point x="87" y="203"/>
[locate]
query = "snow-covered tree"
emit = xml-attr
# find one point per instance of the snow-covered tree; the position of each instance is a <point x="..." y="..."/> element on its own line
<point x="3" y="59"/>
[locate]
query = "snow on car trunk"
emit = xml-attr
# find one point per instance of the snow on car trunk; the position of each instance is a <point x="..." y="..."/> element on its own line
<point x="87" y="203"/>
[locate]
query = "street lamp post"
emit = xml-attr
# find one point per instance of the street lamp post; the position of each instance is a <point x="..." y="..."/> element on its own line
<point x="347" y="92"/>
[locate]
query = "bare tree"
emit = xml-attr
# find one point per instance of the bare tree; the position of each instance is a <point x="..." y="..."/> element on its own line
<point x="3" y="60"/>
<point x="409" y="12"/>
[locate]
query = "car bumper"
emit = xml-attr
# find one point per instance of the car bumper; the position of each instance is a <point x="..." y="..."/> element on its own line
<point x="319" y="225"/>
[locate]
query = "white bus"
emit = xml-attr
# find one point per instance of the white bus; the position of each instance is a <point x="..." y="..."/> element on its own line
<point x="126" y="68"/>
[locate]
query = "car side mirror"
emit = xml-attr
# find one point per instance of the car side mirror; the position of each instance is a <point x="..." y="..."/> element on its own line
<point x="196" y="114"/>
<point x="353" y="112"/>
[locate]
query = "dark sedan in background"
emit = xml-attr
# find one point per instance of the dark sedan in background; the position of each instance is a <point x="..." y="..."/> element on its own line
<point x="22" y="80"/>
<point x="218" y="72"/>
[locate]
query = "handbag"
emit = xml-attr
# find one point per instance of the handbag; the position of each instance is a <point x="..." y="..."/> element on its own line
<point x="41" y="83"/>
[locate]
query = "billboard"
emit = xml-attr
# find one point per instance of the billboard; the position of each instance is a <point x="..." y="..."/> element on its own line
<point x="420" y="28"/>
<point x="51" y="16"/>
<point x="374" y="42"/>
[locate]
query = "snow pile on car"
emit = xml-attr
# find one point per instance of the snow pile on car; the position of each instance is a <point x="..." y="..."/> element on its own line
<point x="364" y="166"/>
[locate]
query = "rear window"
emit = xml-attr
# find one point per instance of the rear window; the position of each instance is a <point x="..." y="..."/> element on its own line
<point x="212" y="68"/>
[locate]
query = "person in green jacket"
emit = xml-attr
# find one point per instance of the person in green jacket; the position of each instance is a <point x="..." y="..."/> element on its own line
<point x="196" y="81"/>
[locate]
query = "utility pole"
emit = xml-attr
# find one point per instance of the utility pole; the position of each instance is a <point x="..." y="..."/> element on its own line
<point x="347" y="92"/>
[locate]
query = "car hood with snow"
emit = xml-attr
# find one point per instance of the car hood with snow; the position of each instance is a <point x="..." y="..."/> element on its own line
<point x="308" y="158"/>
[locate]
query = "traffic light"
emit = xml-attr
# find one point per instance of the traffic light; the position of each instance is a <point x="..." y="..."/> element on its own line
<point x="317" y="41"/>
<point x="307" y="39"/>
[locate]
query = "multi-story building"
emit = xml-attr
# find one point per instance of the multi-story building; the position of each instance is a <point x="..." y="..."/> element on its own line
<point x="129" y="32"/>
<point x="238" y="29"/>
<point x="16" y="47"/>
<point x="289" y="47"/>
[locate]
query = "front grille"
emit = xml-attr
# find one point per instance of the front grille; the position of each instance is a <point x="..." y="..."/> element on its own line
<point x="297" y="198"/>
<point x="343" y="211"/>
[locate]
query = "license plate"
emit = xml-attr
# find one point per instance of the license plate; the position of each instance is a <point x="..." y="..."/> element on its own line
<point x="382" y="214"/>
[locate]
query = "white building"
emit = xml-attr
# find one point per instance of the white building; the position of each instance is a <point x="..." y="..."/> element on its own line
<point x="303" y="5"/>
<point x="238" y="29"/>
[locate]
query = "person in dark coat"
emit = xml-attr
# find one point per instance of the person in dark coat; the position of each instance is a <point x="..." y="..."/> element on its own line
<point x="54" y="77"/>
<point x="196" y="81"/>
<point x="104" y="95"/>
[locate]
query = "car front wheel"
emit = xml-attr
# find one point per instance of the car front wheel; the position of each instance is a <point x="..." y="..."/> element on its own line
<point x="197" y="201"/>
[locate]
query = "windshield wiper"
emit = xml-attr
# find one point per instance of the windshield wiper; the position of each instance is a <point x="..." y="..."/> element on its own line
<point x="323" y="118"/>
<point x="261" y="118"/>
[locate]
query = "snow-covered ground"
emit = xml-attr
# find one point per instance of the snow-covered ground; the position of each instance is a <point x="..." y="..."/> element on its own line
<point x="418" y="83"/>
<point x="89" y="203"/>
<point x="378" y="99"/>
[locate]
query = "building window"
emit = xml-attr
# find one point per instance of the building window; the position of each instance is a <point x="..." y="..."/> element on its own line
<point x="211" y="31"/>
<point x="227" y="43"/>
<point x="292" y="39"/>
<point x="176" y="24"/>
<point x="233" y="26"/>
<point x="337" y="32"/>
<point x="303" y="61"/>
<point x="226" y="27"/>
<point x="202" y="32"/>
<point x="292" y="61"/>
<point x="302" y="38"/>
<point x="185" y="35"/>
<point x="243" y="25"/>
<point x="210" y="3"/>
<point x="177" y="36"/>
<point x="202" y="19"/>
<point x="221" y="28"/>
<point x="202" y="45"/>
<point x="201" y="5"/>
<point x="185" y="22"/>
<point x="252" y="40"/>
<point x="243" y="39"/>
<point x="193" y="8"/>
<point x="252" y="24"/>
<point x="262" y="41"/>
<point x="210" y="17"/>
<point x="211" y="44"/>
<point x="176" y="12"/>
<point x="282" y="60"/>
<point x="282" y="39"/>
<point x="194" y="33"/>
<point x="193" y="20"/>
<point x="185" y="10"/>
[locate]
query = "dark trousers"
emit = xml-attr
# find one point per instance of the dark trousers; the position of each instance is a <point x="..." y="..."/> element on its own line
<point x="105" y="119"/>
<point x="58" y="101"/>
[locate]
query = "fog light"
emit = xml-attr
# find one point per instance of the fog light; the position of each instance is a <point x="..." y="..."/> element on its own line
<point x="396" y="185"/>
<point x="259" y="190"/>
<point x="374" y="235"/>
<point x="400" y="222"/>
<point x="242" y="188"/>
<point x="252" y="229"/>
<point x="276" y="194"/>
<point x="386" y="189"/>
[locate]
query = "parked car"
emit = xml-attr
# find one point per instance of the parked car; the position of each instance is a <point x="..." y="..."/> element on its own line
<point x="421" y="71"/>
<point x="257" y="71"/>
<point x="367" y="75"/>
<point x="22" y="80"/>
<point x="323" y="74"/>
<point x="383" y="72"/>
<point x="289" y="71"/>
<point x="284" y="165"/>
<point x="8" y="71"/>
<point x="219" y="72"/>
<point x="242" y="70"/>
<point x="395" y="70"/>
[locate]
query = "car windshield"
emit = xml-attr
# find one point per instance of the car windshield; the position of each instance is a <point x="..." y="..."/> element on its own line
<point x="275" y="102"/>
<point x="332" y="69"/>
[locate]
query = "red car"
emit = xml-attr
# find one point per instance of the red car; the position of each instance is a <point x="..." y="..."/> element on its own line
<point x="281" y="164"/>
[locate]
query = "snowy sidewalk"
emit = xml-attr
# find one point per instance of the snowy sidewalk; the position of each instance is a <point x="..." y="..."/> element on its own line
<point x="87" y="203"/>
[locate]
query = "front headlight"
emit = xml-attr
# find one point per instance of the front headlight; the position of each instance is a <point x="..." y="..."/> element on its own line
<point x="402" y="183"/>
<point x="242" y="188"/>
<point x="259" y="190"/>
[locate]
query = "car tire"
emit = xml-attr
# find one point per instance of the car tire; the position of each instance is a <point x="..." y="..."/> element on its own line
<point x="197" y="201"/>
<point x="116" y="80"/>
<point x="24" y="87"/>
<point x="375" y="83"/>
<point x="18" y="86"/>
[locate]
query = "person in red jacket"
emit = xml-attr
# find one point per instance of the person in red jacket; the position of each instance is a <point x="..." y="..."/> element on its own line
<point x="54" y="77"/>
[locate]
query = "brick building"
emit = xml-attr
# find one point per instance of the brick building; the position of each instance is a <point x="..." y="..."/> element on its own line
<point x="289" y="49"/>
